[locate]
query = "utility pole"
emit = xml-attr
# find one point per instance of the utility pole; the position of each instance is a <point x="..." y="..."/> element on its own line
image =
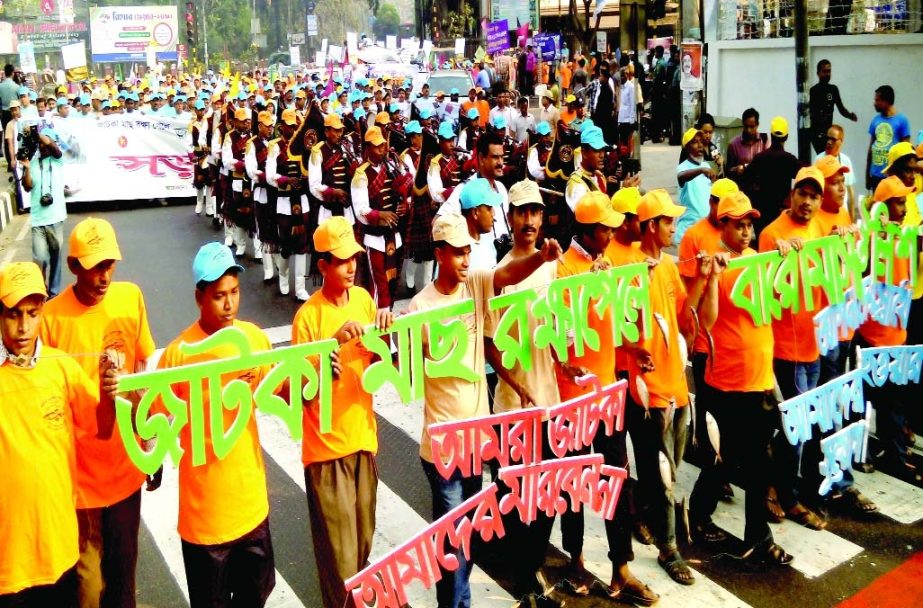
<point x="801" y="80"/>
<point x="205" y="33"/>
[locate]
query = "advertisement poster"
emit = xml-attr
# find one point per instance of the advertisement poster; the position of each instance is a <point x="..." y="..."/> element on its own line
<point x="498" y="38"/>
<point x="124" y="33"/>
<point x="600" y="41"/>
<point x="46" y="32"/>
<point x="515" y="12"/>
<point x="27" y="58"/>
<point x="664" y="41"/>
<point x="548" y="45"/>
<point x="691" y="62"/>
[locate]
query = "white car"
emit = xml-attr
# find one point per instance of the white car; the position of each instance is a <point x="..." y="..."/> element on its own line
<point x="385" y="62"/>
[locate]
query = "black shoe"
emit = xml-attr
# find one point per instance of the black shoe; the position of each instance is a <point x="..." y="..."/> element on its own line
<point x="726" y="493"/>
<point x="708" y="534"/>
<point x="767" y="554"/>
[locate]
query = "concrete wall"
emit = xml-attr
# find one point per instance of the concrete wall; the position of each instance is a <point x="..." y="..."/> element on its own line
<point x="761" y="74"/>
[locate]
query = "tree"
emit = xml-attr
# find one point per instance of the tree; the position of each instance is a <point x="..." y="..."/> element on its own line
<point x="583" y="25"/>
<point x="387" y="21"/>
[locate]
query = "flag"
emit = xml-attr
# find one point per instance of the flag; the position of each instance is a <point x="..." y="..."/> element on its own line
<point x="235" y="86"/>
<point x="522" y="33"/>
<point x="331" y="86"/>
<point x="600" y="6"/>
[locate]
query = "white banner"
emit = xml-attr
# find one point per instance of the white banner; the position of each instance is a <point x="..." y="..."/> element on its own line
<point x="391" y="42"/>
<point x="294" y="53"/>
<point x="124" y="33"/>
<point x="124" y="157"/>
<point x="74" y="55"/>
<point x="27" y="58"/>
<point x="460" y="46"/>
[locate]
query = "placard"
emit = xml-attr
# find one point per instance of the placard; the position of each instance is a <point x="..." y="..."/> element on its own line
<point x="691" y="62"/>
<point x="498" y="38"/>
<point x="460" y="46"/>
<point x="334" y="53"/>
<point x="601" y="41"/>
<point x="391" y="42"/>
<point x="323" y="45"/>
<point x="27" y="58"/>
<point x="352" y="44"/>
<point x="294" y="53"/>
<point x="320" y="58"/>
<point x="74" y="55"/>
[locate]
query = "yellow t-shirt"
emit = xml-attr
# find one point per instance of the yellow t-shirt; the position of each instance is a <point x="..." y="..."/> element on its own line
<point x="539" y="380"/>
<point x="449" y="399"/>
<point x="38" y="520"/>
<point x="117" y="325"/>
<point x="221" y="500"/>
<point x="353" y="426"/>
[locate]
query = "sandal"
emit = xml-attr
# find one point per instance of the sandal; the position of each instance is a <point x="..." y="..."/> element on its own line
<point x="708" y="533"/>
<point x="858" y="501"/>
<point x="806" y="517"/>
<point x="633" y="592"/>
<point x="643" y="533"/>
<point x="677" y="568"/>
<point x="776" y="513"/>
<point x="768" y="553"/>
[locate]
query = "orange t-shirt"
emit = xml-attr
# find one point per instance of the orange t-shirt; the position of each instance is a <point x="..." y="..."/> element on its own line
<point x="38" y="520"/>
<point x="668" y="380"/>
<point x="793" y="334"/>
<point x="601" y="362"/>
<point x="483" y="111"/>
<point x="621" y="255"/>
<point x="353" y="422"/>
<point x="221" y="500"/>
<point x="568" y="115"/>
<point x="117" y="325"/>
<point x="874" y="332"/>
<point x="566" y="74"/>
<point x="737" y="340"/>
<point x="702" y="236"/>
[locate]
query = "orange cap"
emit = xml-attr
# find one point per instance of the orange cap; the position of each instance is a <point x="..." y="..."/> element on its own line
<point x="333" y="121"/>
<point x="891" y="187"/>
<point x="722" y="187"/>
<point x="92" y="241"/>
<point x="373" y="136"/>
<point x="336" y="236"/>
<point x="735" y="206"/>
<point x="382" y="118"/>
<point x="595" y="208"/>
<point x="19" y="280"/>
<point x="265" y="118"/>
<point x="289" y="116"/>
<point x="830" y="166"/>
<point x="657" y="203"/>
<point x="241" y="114"/>
<point x="812" y="174"/>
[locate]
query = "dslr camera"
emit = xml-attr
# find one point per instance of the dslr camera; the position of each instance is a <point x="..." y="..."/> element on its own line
<point x="28" y="144"/>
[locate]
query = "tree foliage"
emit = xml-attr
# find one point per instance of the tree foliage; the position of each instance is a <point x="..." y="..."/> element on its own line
<point x="387" y="21"/>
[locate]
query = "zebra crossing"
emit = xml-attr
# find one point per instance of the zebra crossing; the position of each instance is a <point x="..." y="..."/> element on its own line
<point x="403" y="508"/>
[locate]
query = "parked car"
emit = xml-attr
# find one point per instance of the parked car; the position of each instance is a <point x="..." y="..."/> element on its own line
<point x="446" y="80"/>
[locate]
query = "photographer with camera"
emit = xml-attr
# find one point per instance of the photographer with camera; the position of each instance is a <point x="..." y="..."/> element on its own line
<point x="43" y="178"/>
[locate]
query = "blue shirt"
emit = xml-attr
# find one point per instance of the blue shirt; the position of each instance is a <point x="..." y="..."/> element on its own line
<point x="483" y="79"/>
<point x="47" y="178"/>
<point x="9" y="92"/>
<point x="693" y="195"/>
<point x="886" y="131"/>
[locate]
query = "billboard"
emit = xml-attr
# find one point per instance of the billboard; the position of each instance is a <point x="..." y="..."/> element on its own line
<point x="124" y="33"/>
<point x="516" y="12"/>
<point x="45" y="24"/>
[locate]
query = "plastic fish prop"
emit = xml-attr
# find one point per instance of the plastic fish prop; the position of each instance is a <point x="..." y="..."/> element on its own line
<point x="666" y="474"/>
<point x="645" y="396"/>
<point x="664" y="328"/>
<point x="714" y="435"/>
<point x="691" y="421"/>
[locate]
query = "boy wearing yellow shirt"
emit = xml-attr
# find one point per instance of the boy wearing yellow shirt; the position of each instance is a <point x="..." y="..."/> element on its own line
<point x="339" y="466"/>
<point x="96" y="315"/>
<point x="41" y="389"/>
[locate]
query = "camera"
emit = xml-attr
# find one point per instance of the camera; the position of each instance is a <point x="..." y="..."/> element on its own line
<point x="503" y="244"/>
<point x="46" y="199"/>
<point x="28" y="144"/>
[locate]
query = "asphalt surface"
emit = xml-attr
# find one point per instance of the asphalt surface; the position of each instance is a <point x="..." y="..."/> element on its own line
<point x="158" y="243"/>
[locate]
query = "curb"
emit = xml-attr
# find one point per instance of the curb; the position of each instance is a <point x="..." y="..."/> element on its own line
<point x="7" y="213"/>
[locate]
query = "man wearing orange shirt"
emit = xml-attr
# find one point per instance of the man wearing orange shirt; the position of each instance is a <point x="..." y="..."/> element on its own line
<point x="44" y="392"/>
<point x="658" y="416"/>
<point x="339" y="466"/>
<point x="891" y="425"/>
<point x="223" y="503"/>
<point x="564" y="74"/>
<point x="97" y="315"/>
<point x="741" y="400"/>
<point x="595" y="222"/>
<point x="796" y="360"/>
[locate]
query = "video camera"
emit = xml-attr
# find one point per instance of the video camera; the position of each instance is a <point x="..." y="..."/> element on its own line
<point x="28" y="143"/>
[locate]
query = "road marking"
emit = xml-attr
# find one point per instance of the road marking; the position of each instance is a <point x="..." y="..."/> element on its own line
<point x="897" y="499"/>
<point x="21" y="236"/>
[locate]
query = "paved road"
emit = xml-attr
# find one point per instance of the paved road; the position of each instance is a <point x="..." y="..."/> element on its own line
<point x="158" y="243"/>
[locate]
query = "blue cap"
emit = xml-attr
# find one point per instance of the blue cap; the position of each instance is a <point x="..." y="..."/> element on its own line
<point x="260" y="100"/>
<point x="394" y="108"/>
<point x="473" y="114"/>
<point x="61" y="101"/>
<point x="179" y="98"/>
<point x="33" y="95"/>
<point x="543" y="128"/>
<point x="479" y="192"/>
<point x="204" y="96"/>
<point x="446" y="130"/>
<point x="133" y="97"/>
<point x="107" y="104"/>
<point x="212" y="261"/>
<point x="156" y="96"/>
<point x="359" y="113"/>
<point x="84" y="99"/>
<point x="199" y="105"/>
<point x="587" y="124"/>
<point x="242" y="95"/>
<point x="22" y="91"/>
<point x="51" y="134"/>
<point x="454" y="91"/>
<point x="593" y="137"/>
<point x="499" y="122"/>
<point x="267" y="87"/>
<point x="413" y="127"/>
<point x="426" y="113"/>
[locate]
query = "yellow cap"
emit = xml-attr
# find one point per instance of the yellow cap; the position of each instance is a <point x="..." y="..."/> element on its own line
<point x="899" y="151"/>
<point x="241" y="114"/>
<point x="335" y="235"/>
<point x="891" y="187"/>
<point x="779" y="127"/>
<point x="92" y="241"/>
<point x="453" y="229"/>
<point x="810" y="174"/>
<point x="20" y="280"/>
<point x="290" y="116"/>
<point x="595" y="208"/>
<point x="722" y="187"/>
<point x="689" y="135"/>
<point x="373" y="136"/>
<point x="657" y="203"/>
<point x="626" y="200"/>
<point x="382" y="118"/>
<point x="570" y="99"/>
<point x="735" y="206"/>
<point x="301" y="94"/>
<point x="216" y="97"/>
<point x="333" y="121"/>
<point x="830" y="166"/>
<point x="265" y="118"/>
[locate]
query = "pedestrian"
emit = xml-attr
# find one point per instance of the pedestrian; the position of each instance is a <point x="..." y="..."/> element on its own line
<point x="339" y="465"/>
<point x="223" y="503"/>
<point x="502" y="110"/>
<point x="601" y="103"/>
<point x="523" y="123"/>
<point x="451" y="398"/>
<point x="796" y="361"/>
<point x="238" y="209"/>
<point x="267" y="230"/>
<point x="538" y="153"/>
<point x="745" y="146"/>
<point x="587" y="177"/>
<point x="97" y="315"/>
<point x="629" y="106"/>
<point x="768" y="177"/>
<point x="198" y="150"/>
<point x="9" y="92"/>
<point x="833" y="146"/>
<point x="47" y="396"/>
<point x="43" y="178"/>
<point x="694" y="176"/>
<point x="741" y="401"/>
<point x="887" y="128"/>
<point x="549" y="112"/>
<point x="565" y="73"/>
<point x="531" y="64"/>
<point x="824" y="97"/>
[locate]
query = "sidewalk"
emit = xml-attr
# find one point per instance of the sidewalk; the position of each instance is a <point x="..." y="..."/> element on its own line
<point x="658" y="168"/>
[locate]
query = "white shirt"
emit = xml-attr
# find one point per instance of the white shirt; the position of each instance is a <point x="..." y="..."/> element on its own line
<point x="536" y="170"/>
<point x="849" y="178"/>
<point x="520" y="127"/>
<point x="360" y="195"/>
<point x="507" y="113"/>
<point x="628" y="101"/>
<point x="259" y="191"/>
